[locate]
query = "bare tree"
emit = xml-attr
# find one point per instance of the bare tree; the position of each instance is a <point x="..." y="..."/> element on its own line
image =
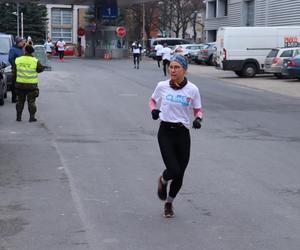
<point x="175" y="15"/>
<point x="149" y="10"/>
<point x="171" y="16"/>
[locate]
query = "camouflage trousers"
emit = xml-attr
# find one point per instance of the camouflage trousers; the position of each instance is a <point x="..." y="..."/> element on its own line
<point x="30" y="95"/>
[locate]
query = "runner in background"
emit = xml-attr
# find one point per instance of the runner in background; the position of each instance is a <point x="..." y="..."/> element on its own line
<point x="158" y="50"/>
<point x="136" y="49"/>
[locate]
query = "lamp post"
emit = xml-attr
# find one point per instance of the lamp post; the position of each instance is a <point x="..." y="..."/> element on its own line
<point x="16" y="13"/>
<point x="22" y="26"/>
<point x="18" y="26"/>
<point x="163" y="16"/>
<point x="143" y="6"/>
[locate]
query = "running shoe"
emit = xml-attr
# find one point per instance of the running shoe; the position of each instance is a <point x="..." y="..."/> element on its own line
<point x="169" y="213"/>
<point x="161" y="189"/>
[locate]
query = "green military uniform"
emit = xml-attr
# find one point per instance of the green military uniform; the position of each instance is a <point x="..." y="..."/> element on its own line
<point x="27" y="69"/>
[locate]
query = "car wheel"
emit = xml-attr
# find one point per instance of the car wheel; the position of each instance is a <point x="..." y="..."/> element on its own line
<point x="2" y="100"/>
<point x="249" y="70"/>
<point x="210" y="61"/>
<point x="2" y="93"/>
<point x="239" y="73"/>
<point x="278" y="75"/>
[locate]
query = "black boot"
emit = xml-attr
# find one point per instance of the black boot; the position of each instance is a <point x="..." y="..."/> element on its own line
<point x="19" y="117"/>
<point x="32" y="118"/>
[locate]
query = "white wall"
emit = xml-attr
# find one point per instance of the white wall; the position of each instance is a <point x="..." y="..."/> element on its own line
<point x="75" y="17"/>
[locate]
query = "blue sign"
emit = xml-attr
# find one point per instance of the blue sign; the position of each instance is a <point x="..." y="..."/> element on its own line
<point x="109" y="9"/>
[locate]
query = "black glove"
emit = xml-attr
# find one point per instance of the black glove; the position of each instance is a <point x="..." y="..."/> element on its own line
<point x="155" y="114"/>
<point x="197" y="123"/>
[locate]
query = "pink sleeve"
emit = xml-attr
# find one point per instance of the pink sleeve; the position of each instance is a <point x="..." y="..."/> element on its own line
<point x="198" y="113"/>
<point x="152" y="104"/>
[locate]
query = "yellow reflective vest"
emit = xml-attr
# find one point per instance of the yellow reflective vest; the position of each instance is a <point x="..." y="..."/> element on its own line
<point x="26" y="70"/>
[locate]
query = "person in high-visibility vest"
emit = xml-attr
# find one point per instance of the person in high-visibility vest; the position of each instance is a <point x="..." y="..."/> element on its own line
<point x="27" y="69"/>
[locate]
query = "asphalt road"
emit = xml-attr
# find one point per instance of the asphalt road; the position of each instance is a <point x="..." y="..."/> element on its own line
<point x="84" y="176"/>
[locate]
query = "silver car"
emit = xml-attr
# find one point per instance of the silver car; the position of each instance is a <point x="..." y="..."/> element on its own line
<point x="206" y="54"/>
<point x="274" y="60"/>
<point x="3" y="87"/>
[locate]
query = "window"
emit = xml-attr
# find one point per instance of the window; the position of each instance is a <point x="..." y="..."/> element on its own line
<point x="297" y="52"/>
<point x="4" y="45"/>
<point x="61" y="22"/>
<point x="211" y="9"/>
<point x="222" y="8"/>
<point x="273" y="53"/>
<point x="249" y="9"/>
<point x="211" y="35"/>
<point x="65" y="34"/>
<point x="287" y="53"/>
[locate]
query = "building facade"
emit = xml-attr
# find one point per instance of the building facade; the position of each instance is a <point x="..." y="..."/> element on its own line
<point x="64" y="21"/>
<point x="249" y="13"/>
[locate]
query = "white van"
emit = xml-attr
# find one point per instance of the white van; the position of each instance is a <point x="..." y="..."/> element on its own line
<point x="244" y="49"/>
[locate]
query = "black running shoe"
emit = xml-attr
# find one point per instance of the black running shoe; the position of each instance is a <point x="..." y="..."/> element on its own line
<point x="169" y="213"/>
<point x="161" y="189"/>
<point x="32" y="119"/>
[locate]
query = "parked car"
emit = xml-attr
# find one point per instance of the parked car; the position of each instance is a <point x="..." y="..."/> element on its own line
<point x="274" y="60"/>
<point x="188" y="50"/>
<point x="206" y="54"/>
<point x="194" y="50"/>
<point x="3" y="87"/>
<point x="291" y="67"/>
<point x="171" y="41"/>
<point x="6" y="42"/>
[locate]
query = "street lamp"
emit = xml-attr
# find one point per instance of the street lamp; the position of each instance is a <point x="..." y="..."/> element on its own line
<point x="16" y="13"/>
<point x="143" y="6"/>
<point x="163" y="15"/>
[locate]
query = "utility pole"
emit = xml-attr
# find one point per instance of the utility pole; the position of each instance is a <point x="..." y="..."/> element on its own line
<point x="18" y="20"/>
<point x="143" y="24"/>
<point x="22" y="26"/>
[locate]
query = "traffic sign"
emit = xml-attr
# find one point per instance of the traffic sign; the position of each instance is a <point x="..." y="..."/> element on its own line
<point x="121" y="32"/>
<point x="109" y="9"/>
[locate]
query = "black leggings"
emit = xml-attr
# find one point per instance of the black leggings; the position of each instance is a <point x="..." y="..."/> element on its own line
<point x="175" y="143"/>
<point x="61" y="54"/>
<point x="166" y="64"/>
<point x="136" y="59"/>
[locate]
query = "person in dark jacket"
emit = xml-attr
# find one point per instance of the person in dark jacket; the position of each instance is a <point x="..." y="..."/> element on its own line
<point x="27" y="69"/>
<point x="16" y="51"/>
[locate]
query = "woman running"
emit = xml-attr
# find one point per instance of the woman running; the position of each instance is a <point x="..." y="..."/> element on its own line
<point x="177" y="97"/>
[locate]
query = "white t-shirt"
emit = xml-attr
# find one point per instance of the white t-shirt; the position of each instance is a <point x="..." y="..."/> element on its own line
<point x="136" y="49"/>
<point x="166" y="52"/>
<point x="176" y="105"/>
<point x="60" y="45"/>
<point x="158" y="48"/>
<point x="49" y="46"/>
